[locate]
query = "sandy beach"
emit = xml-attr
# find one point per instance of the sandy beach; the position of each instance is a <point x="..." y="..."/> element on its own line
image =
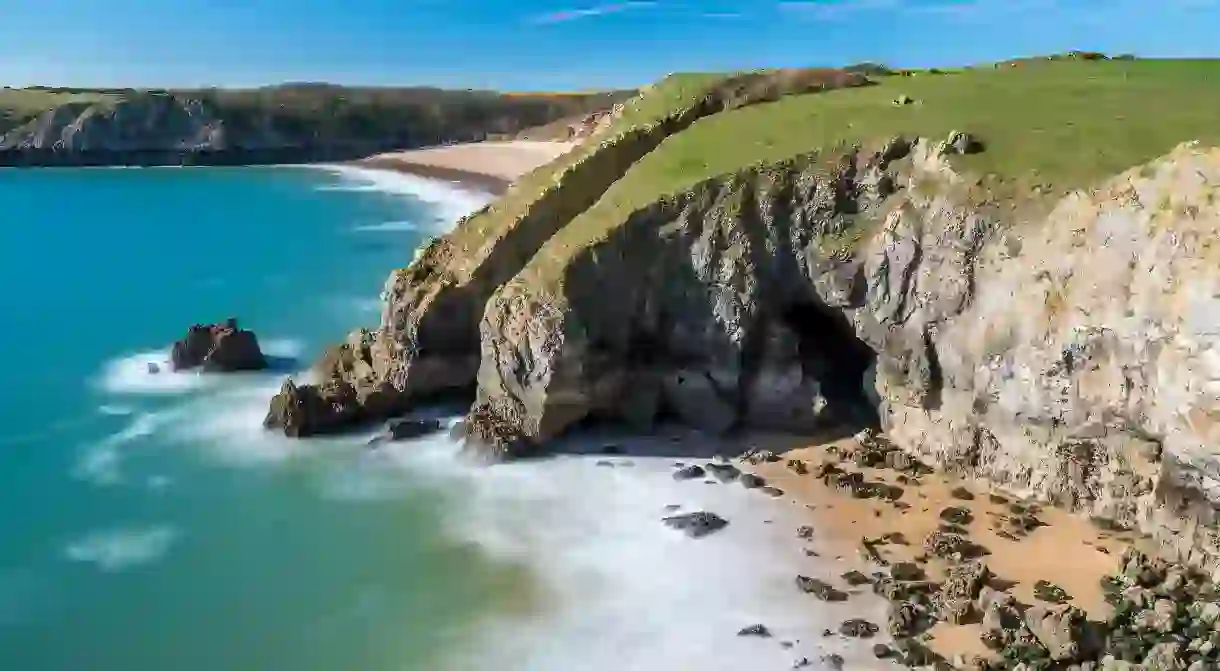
<point x="491" y="166"/>
<point x="1064" y="549"/>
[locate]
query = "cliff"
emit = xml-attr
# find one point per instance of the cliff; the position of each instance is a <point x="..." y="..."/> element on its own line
<point x="1017" y="290"/>
<point x="275" y="125"/>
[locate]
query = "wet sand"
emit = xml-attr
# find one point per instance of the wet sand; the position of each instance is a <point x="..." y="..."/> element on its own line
<point x="490" y="166"/>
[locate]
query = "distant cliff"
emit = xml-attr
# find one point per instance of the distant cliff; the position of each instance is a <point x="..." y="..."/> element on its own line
<point x="294" y="123"/>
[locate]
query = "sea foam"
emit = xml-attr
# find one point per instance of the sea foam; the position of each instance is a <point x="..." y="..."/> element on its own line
<point x="448" y="201"/>
<point x="119" y="549"/>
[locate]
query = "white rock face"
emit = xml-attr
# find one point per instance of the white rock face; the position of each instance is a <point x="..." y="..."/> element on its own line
<point x="1085" y="367"/>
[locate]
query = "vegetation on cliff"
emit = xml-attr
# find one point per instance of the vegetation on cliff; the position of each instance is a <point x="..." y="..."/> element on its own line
<point x="327" y="114"/>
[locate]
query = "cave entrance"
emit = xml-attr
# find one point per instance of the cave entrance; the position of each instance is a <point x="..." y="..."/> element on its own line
<point x="831" y="352"/>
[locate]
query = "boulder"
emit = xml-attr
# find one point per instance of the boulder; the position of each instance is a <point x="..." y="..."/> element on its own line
<point x="696" y="524"/>
<point x="218" y="348"/>
<point x="1063" y="630"/>
<point x="301" y="411"/>
<point x="406" y="429"/>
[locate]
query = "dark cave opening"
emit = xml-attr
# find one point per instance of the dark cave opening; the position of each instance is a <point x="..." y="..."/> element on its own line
<point x="831" y="352"/>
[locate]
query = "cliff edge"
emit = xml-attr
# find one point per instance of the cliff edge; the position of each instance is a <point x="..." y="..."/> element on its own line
<point x="1010" y="270"/>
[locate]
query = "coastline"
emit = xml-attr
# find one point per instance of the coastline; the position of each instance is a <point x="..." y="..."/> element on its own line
<point x="490" y="166"/>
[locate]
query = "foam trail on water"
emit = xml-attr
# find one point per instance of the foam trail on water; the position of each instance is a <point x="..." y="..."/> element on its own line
<point x="387" y="227"/>
<point x="113" y="550"/>
<point x="622" y="590"/>
<point x="101" y="463"/>
<point x="282" y="347"/>
<point x="132" y="374"/>
<point x="449" y="201"/>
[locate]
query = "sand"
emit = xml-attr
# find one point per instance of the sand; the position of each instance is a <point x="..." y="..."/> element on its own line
<point x="1068" y="550"/>
<point x="491" y="166"/>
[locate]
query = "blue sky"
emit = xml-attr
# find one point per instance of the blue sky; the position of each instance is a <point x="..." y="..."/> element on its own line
<point x="554" y="44"/>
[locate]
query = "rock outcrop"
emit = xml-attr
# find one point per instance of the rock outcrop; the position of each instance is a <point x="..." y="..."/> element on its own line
<point x="1069" y="356"/>
<point x="218" y="348"/>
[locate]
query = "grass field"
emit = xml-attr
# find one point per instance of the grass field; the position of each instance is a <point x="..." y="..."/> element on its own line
<point x="20" y="105"/>
<point x="1060" y="125"/>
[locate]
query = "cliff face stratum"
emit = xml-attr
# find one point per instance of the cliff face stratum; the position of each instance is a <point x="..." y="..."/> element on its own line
<point x="1028" y="297"/>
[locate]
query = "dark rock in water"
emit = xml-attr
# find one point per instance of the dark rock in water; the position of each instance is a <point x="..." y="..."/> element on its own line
<point x="751" y="481"/>
<point x="218" y="348"/>
<point x="955" y="515"/>
<point x="723" y="472"/>
<point x="307" y="410"/>
<point x="406" y="429"/>
<point x="805" y="662"/>
<point x="822" y="590"/>
<point x="804" y="531"/>
<point x="858" y="628"/>
<point x="153" y="368"/>
<point x="672" y="507"/>
<point x="1050" y="592"/>
<point x="755" y="630"/>
<point x="697" y="524"/>
<point x="882" y="651"/>
<point x="611" y="448"/>
<point x="772" y="491"/>
<point x="688" y="472"/>
<point x="605" y="463"/>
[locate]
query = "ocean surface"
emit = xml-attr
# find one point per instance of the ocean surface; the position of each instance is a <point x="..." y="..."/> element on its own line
<point x="147" y="522"/>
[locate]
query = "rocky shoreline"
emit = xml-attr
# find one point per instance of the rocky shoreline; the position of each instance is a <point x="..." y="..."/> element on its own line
<point x="953" y="602"/>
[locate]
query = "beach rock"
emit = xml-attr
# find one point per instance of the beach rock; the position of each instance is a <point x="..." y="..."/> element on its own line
<point x="696" y="524"/>
<point x="904" y="619"/>
<point x="771" y="491"/>
<point x="797" y="466"/>
<point x="856" y="579"/>
<point x="1050" y="592"/>
<point x="955" y="601"/>
<point x="406" y="429"/>
<point x="961" y="493"/>
<point x="858" y="628"/>
<point x="153" y="368"/>
<point x="906" y="571"/>
<point x="955" y="515"/>
<point x="757" y="457"/>
<point x="822" y="590"/>
<point x="804" y="532"/>
<point x="218" y="348"/>
<point x="755" y="630"/>
<point x="946" y="545"/>
<point x="751" y="481"/>
<point x="723" y="472"/>
<point x="1063" y="631"/>
<point x="691" y="472"/>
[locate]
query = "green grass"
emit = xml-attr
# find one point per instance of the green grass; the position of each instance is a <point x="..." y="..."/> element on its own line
<point x="18" y="106"/>
<point x="1059" y="124"/>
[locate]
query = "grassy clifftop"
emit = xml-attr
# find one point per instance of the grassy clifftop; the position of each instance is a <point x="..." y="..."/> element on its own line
<point x="1047" y="127"/>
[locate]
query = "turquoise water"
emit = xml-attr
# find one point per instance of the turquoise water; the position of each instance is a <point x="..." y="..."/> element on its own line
<point x="147" y="522"/>
<point x="129" y="540"/>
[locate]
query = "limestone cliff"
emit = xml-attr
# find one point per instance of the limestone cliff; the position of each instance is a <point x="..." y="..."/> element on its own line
<point x="292" y="123"/>
<point x="1068" y="352"/>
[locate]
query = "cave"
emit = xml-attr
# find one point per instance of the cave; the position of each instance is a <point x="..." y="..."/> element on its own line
<point x="830" y="351"/>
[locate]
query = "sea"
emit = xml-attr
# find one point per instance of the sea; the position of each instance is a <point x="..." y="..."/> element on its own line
<point x="148" y="522"/>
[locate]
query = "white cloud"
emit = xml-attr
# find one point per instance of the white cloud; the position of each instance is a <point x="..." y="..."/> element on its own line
<point x="564" y="15"/>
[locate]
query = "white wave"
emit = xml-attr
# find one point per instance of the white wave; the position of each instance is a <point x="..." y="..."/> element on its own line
<point x="229" y="426"/>
<point x="132" y="374"/>
<point x="449" y="200"/>
<point x="282" y="347"/>
<point x="620" y="589"/>
<point x="387" y="227"/>
<point x="101" y="463"/>
<point x="120" y="549"/>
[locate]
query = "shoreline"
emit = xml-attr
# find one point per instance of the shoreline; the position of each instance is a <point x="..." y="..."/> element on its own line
<point x="490" y="166"/>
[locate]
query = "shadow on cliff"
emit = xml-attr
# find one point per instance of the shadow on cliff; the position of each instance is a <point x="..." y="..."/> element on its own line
<point x="675" y="441"/>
